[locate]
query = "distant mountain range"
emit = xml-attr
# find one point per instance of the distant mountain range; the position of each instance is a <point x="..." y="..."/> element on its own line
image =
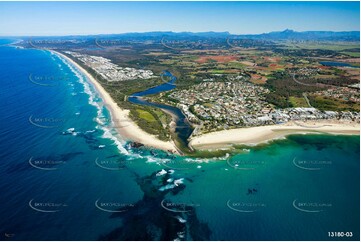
<point x="308" y="35"/>
<point x="280" y="35"/>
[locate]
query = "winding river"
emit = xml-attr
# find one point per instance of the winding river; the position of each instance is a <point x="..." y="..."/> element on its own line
<point x="183" y="128"/>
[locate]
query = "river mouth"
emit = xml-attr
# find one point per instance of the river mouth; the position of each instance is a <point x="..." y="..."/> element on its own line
<point x="182" y="128"/>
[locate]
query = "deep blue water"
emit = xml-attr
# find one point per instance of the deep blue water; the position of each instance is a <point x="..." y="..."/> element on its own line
<point x="86" y="183"/>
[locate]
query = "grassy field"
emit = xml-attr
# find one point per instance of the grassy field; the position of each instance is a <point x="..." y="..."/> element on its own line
<point x="146" y="115"/>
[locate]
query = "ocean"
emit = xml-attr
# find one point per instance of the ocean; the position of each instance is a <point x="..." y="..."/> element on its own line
<point x="65" y="173"/>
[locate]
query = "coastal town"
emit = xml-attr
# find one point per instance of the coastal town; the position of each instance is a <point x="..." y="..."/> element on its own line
<point x="109" y="71"/>
<point x="214" y="106"/>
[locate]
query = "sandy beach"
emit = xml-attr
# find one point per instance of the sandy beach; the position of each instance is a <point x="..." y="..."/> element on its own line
<point x="126" y="127"/>
<point x="257" y="135"/>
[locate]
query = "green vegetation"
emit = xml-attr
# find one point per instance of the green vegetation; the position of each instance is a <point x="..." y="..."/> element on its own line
<point x="298" y="101"/>
<point x="146" y="115"/>
<point x="147" y="118"/>
<point x="325" y="104"/>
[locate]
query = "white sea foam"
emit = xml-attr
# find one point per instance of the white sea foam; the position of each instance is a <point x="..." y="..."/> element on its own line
<point x="161" y="173"/>
<point x="180" y="219"/>
<point x="166" y="187"/>
<point x="93" y="100"/>
<point x="178" y="181"/>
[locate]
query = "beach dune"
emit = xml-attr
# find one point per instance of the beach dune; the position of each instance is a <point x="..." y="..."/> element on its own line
<point x="262" y="134"/>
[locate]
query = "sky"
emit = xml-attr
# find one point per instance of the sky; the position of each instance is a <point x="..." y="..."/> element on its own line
<point x="82" y="18"/>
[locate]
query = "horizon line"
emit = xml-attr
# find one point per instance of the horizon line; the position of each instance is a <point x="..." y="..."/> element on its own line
<point x="170" y="31"/>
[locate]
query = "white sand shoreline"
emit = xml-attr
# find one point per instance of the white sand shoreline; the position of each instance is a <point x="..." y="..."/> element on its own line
<point x="263" y="134"/>
<point x="126" y="127"/>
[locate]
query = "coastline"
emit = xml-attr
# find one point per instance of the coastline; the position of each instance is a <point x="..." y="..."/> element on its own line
<point x="224" y="139"/>
<point x="263" y="134"/>
<point x="125" y="126"/>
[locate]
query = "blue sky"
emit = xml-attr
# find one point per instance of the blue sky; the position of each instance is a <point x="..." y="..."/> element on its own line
<point x="67" y="18"/>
